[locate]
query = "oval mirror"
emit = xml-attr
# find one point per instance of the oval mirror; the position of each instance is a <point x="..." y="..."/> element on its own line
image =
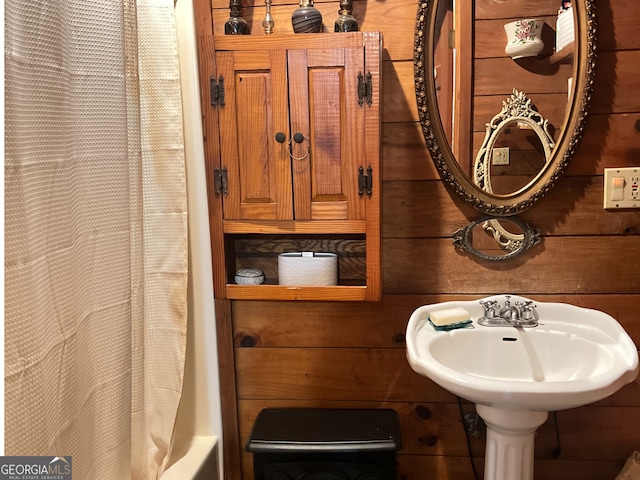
<point x="469" y="56"/>
<point x="515" y="149"/>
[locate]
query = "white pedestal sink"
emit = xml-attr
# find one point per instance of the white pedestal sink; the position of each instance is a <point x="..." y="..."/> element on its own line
<point x="515" y="375"/>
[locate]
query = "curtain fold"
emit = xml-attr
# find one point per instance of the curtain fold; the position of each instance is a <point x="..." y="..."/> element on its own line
<point x="95" y="234"/>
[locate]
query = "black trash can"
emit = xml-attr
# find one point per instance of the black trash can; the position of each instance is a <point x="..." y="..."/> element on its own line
<point x="324" y="444"/>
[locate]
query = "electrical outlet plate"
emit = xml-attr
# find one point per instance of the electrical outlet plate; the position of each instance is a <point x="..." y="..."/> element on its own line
<point x="500" y="156"/>
<point x="621" y="188"/>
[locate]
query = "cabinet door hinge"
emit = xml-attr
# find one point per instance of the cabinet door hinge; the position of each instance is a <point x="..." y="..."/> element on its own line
<point x="365" y="182"/>
<point x="216" y="91"/>
<point x="365" y="89"/>
<point x="220" y="181"/>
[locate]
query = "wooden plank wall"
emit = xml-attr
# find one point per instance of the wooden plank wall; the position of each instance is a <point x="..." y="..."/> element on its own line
<point x="353" y="355"/>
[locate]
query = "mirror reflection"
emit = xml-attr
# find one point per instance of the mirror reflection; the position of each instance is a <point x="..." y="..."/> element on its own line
<point x="516" y="147"/>
<point x="480" y="55"/>
<point x="517" y="156"/>
<point x="494" y="241"/>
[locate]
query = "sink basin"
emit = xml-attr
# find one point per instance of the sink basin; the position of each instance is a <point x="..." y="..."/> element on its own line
<point x="575" y="356"/>
<point x="517" y="374"/>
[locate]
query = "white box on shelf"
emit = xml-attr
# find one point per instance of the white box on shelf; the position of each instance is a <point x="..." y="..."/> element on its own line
<point x="308" y="269"/>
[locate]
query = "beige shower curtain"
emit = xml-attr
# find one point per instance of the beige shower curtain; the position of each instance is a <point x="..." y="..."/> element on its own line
<point x="95" y="234"/>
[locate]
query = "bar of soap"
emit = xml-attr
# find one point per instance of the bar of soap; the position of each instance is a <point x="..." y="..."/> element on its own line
<point x="449" y="316"/>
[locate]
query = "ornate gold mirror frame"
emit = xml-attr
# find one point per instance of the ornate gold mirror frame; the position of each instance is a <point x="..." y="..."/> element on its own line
<point x="464" y="239"/>
<point x="501" y="205"/>
<point x="517" y="112"/>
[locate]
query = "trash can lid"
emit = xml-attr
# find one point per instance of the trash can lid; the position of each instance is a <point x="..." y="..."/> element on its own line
<point x="324" y="430"/>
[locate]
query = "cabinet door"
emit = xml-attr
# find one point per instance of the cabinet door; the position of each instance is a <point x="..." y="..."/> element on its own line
<point x="258" y="166"/>
<point x="323" y="100"/>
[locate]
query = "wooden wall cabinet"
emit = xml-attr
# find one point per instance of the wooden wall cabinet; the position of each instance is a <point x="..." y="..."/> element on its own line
<point x="296" y="119"/>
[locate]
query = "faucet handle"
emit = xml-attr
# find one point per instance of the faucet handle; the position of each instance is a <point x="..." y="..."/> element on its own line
<point x="488" y="303"/>
<point x="489" y="307"/>
<point x="527" y="309"/>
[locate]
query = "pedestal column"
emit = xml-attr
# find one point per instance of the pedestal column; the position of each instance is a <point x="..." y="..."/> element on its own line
<point x="510" y="442"/>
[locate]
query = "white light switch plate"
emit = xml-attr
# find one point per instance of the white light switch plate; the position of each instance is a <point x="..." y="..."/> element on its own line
<point x="500" y="156"/>
<point x="621" y="188"/>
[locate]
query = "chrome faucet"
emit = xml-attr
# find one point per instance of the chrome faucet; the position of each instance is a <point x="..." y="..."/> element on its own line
<point x="520" y="314"/>
<point x="505" y="311"/>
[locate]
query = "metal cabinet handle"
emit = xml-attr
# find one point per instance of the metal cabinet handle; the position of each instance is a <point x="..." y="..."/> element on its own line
<point x="299" y="138"/>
